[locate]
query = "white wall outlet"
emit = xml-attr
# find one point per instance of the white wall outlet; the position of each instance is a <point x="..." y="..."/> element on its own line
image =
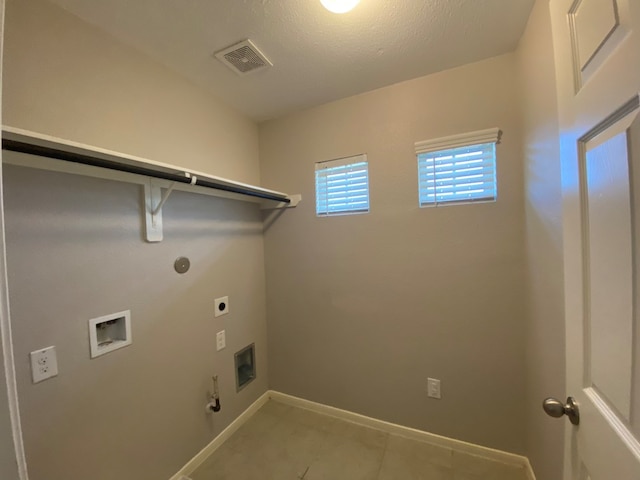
<point x="433" y="388"/>
<point x="222" y="306"/>
<point x="221" y="340"/>
<point x="44" y="364"/>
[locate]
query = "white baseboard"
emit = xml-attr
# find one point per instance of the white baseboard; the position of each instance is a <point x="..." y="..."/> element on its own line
<point x="529" y="470"/>
<point x="458" y="445"/>
<point x="199" y="459"/>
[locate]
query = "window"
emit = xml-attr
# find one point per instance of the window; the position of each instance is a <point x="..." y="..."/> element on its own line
<point x="458" y="169"/>
<point x="342" y="186"/>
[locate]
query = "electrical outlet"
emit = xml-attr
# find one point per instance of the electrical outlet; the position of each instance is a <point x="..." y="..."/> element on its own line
<point x="221" y="340"/>
<point x="433" y="388"/>
<point x="222" y="306"/>
<point x="44" y="364"/>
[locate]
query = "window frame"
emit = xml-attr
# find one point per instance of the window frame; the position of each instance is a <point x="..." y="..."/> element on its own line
<point x="481" y="139"/>
<point x="350" y="161"/>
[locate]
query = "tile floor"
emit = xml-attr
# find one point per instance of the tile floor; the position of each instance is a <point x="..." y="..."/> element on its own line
<point x="281" y="442"/>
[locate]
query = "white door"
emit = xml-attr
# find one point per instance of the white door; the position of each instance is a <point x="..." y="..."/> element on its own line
<point x="597" y="58"/>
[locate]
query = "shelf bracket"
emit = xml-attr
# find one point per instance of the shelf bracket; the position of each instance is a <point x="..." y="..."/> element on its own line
<point x="165" y="197"/>
<point x="153" y="201"/>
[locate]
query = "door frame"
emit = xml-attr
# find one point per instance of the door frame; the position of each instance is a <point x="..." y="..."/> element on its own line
<point x="6" y="339"/>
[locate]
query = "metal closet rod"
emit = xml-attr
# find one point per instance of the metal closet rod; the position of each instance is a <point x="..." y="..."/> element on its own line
<point x="31" y="149"/>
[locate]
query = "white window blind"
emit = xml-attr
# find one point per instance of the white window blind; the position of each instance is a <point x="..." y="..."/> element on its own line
<point x="451" y="172"/>
<point x="342" y="186"/>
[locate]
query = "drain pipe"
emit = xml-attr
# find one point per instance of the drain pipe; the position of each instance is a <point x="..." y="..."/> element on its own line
<point x="214" y="404"/>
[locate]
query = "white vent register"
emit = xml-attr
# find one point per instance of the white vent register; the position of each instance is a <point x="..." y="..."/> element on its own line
<point x="243" y="58"/>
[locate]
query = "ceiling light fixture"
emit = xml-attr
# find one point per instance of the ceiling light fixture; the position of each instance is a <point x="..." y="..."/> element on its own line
<point x="339" y="6"/>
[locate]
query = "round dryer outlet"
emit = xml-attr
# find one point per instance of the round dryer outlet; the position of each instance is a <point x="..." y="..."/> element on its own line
<point x="222" y="306"/>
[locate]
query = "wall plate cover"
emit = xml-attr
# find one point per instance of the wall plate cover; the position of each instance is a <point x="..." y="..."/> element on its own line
<point x="433" y="388"/>
<point x="44" y="364"/>
<point x="222" y="306"/>
<point x="221" y="340"/>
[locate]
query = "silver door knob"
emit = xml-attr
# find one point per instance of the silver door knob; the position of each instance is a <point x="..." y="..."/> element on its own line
<point x="555" y="408"/>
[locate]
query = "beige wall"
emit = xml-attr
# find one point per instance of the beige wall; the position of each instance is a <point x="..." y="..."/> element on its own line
<point x="363" y="308"/>
<point x="75" y="251"/>
<point x="543" y="217"/>
<point x="70" y="80"/>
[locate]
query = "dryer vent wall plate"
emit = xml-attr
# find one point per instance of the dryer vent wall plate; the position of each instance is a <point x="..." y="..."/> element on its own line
<point x="222" y="306"/>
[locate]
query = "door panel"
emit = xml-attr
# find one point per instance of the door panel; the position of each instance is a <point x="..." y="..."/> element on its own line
<point x="596" y="28"/>
<point x="609" y="266"/>
<point x="594" y="20"/>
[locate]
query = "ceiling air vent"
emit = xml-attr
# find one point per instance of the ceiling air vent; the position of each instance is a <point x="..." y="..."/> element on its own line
<point x="243" y="58"/>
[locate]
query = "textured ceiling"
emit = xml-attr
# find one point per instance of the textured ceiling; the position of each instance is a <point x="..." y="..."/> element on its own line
<point x="318" y="56"/>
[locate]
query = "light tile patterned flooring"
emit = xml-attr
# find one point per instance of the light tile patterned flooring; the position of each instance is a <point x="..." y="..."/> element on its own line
<point x="281" y="442"/>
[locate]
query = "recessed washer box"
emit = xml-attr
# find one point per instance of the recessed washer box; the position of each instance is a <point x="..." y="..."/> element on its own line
<point x="109" y="333"/>
<point x="245" y="361"/>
